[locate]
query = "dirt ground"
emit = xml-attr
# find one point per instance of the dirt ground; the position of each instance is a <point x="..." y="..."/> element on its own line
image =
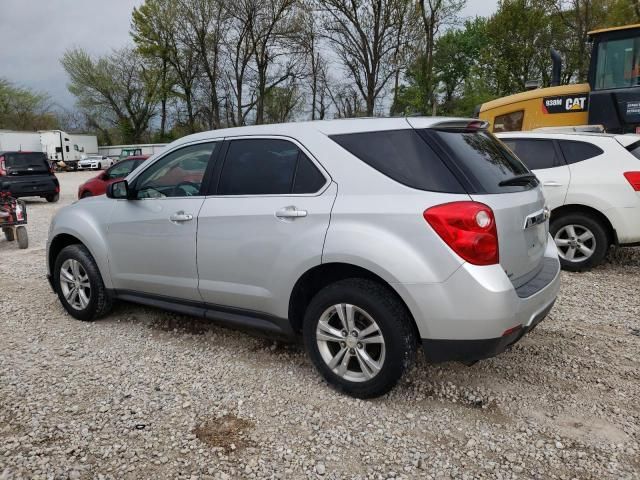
<point x="145" y="393"/>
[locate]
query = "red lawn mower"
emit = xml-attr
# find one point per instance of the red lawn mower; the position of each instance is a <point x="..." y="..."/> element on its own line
<point x="13" y="217"/>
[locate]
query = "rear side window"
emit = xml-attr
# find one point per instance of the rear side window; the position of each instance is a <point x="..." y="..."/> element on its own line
<point x="403" y="156"/>
<point x="265" y="166"/>
<point x="482" y="159"/>
<point x="575" y="152"/>
<point x="634" y="149"/>
<point x="26" y="162"/>
<point x="536" y="154"/>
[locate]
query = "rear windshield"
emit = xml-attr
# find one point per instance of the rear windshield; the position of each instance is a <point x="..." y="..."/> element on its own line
<point x="403" y="156"/>
<point x="23" y="162"/>
<point x="483" y="161"/>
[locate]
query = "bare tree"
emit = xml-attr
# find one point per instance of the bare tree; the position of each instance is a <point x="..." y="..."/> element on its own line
<point x="310" y="39"/>
<point x="365" y="36"/>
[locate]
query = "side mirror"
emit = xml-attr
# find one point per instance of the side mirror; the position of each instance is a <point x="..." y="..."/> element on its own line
<point x="119" y="190"/>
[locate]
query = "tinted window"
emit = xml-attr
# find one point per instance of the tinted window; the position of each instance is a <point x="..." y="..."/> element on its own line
<point x="177" y="174"/>
<point x="23" y="162"/>
<point x="258" y="167"/>
<point x="308" y="178"/>
<point x="536" y="154"/>
<point x="403" y="156"/>
<point x="634" y="149"/>
<point x="510" y="122"/>
<point x="483" y="160"/>
<point x="578" y="151"/>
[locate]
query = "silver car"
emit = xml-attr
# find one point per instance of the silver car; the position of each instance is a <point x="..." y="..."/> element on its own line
<point x="368" y="237"/>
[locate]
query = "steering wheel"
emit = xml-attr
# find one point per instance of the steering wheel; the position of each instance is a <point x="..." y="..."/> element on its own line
<point x="180" y="187"/>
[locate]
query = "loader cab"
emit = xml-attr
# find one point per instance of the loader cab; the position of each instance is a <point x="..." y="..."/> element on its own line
<point x="614" y="79"/>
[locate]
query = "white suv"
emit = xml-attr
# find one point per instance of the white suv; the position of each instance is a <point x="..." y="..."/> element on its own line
<point x="368" y="237"/>
<point x="592" y="186"/>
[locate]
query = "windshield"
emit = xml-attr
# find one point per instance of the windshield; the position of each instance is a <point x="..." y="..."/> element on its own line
<point x="23" y="162"/>
<point x="618" y="64"/>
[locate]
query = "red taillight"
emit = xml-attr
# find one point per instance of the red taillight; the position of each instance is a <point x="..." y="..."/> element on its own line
<point x="469" y="228"/>
<point x="634" y="179"/>
<point x="3" y="168"/>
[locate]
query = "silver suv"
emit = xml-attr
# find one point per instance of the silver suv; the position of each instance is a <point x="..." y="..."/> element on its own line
<point x="368" y="237"/>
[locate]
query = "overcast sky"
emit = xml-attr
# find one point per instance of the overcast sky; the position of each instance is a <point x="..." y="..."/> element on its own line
<point x="36" y="33"/>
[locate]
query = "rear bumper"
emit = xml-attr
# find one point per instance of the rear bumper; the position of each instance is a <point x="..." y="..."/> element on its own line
<point x="437" y="350"/>
<point x="466" y="316"/>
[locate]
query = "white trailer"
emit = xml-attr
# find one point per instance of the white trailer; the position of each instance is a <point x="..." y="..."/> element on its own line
<point x="19" y="141"/>
<point x="85" y="144"/>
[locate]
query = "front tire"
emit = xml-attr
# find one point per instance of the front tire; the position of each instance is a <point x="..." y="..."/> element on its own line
<point x="359" y="336"/>
<point x="582" y="241"/>
<point x="79" y="285"/>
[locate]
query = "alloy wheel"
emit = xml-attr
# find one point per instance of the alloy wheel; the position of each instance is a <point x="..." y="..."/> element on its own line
<point x="350" y="342"/>
<point x="575" y="243"/>
<point x="75" y="285"/>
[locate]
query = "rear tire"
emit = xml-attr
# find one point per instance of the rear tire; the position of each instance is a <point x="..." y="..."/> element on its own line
<point x="53" y="198"/>
<point x="22" y="237"/>
<point x="383" y="333"/>
<point x="582" y="241"/>
<point x="86" y="195"/>
<point x="81" y="276"/>
<point x="8" y="234"/>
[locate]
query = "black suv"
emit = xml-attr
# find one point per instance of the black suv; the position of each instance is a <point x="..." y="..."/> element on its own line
<point x="28" y="174"/>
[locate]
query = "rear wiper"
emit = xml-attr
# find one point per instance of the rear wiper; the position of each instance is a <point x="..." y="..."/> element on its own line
<point x="523" y="179"/>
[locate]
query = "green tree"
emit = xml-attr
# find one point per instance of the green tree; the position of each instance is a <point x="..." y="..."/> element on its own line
<point x="115" y="91"/>
<point x="24" y="109"/>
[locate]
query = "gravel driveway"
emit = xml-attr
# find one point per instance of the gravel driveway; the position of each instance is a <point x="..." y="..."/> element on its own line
<point x="144" y="393"/>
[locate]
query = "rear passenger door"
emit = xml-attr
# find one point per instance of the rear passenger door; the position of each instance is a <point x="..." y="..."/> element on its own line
<point x="262" y="225"/>
<point x="544" y="158"/>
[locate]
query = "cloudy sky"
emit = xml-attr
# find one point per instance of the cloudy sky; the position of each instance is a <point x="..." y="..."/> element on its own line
<point x="35" y="34"/>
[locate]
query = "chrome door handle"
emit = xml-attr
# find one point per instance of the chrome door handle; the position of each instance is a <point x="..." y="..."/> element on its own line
<point x="181" y="217"/>
<point x="290" y="212"/>
<point x="551" y="184"/>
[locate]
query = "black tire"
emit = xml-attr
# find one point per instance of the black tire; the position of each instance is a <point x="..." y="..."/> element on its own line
<point x="395" y="326"/>
<point x="8" y="234"/>
<point x="99" y="166"/>
<point x="75" y="167"/>
<point x="22" y="237"/>
<point x="100" y="302"/>
<point x="86" y="195"/>
<point x="53" y="198"/>
<point x="583" y="222"/>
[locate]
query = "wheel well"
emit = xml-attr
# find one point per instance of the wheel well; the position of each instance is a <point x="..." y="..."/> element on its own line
<point x="57" y="244"/>
<point x="319" y="277"/>
<point x="567" y="209"/>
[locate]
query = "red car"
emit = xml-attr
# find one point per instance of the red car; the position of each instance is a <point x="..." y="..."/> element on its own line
<point x="98" y="185"/>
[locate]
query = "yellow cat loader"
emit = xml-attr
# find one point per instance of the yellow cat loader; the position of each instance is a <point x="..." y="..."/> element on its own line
<point x="611" y="98"/>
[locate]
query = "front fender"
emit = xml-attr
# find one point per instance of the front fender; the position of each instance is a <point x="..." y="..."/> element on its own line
<point x="87" y="222"/>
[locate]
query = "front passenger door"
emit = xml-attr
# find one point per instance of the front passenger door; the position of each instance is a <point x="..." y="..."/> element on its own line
<point x="542" y="156"/>
<point x="152" y="238"/>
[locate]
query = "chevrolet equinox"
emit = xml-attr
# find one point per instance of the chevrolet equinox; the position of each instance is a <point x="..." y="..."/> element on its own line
<point x="367" y="237"/>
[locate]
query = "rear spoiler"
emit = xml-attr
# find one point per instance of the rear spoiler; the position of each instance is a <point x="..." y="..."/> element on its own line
<point x="461" y="125"/>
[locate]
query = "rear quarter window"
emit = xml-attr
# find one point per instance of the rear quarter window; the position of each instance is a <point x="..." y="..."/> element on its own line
<point x="402" y="155"/>
<point x="575" y="152"/>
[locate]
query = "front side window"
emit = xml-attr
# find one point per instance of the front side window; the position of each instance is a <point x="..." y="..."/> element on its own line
<point x="120" y="170"/>
<point x="510" y="122"/>
<point x="536" y="154"/>
<point x="618" y="65"/>
<point x="265" y="166"/>
<point x="177" y="174"/>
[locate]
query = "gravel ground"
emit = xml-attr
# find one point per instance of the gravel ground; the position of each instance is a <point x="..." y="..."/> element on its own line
<point x="144" y="393"/>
